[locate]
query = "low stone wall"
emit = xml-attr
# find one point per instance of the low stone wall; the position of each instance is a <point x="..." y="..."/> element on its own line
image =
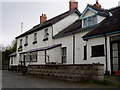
<point x="69" y="72"/>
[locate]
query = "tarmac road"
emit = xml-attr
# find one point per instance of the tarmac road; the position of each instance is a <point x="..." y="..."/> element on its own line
<point x="17" y="80"/>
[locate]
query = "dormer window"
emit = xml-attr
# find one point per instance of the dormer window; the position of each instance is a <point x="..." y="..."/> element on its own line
<point x="35" y="38"/>
<point x="92" y="20"/>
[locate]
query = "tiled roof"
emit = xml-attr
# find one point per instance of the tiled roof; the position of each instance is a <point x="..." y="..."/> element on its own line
<point x="13" y="54"/>
<point x="76" y="27"/>
<point x="73" y="27"/>
<point x="109" y="25"/>
<point x="50" y="22"/>
<point x="41" y="49"/>
<point x="102" y="10"/>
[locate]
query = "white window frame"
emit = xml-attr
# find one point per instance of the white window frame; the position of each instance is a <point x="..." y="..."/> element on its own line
<point x="46" y="33"/>
<point x="26" y="40"/>
<point x="35" y="37"/>
<point x="89" y="21"/>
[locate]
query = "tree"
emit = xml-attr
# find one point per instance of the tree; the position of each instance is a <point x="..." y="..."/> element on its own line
<point x="8" y="50"/>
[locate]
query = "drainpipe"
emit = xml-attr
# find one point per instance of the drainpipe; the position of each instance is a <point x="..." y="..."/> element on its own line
<point x="73" y="49"/>
<point x="106" y="72"/>
<point x="45" y="56"/>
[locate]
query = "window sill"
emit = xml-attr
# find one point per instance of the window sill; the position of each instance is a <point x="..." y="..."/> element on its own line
<point x="98" y="56"/>
<point x="34" y="42"/>
<point x="26" y="44"/>
<point x="84" y="59"/>
<point x="31" y="61"/>
<point x="45" y="39"/>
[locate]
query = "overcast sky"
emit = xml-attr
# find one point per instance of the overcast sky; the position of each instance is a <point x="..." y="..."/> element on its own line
<point x="13" y="12"/>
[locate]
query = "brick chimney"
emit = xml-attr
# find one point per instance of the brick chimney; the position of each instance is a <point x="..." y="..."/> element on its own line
<point x="73" y="4"/>
<point x="43" y="18"/>
<point x="97" y="4"/>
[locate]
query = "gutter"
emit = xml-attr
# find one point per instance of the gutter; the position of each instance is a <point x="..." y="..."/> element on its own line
<point x="106" y="72"/>
<point x="99" y="35"/>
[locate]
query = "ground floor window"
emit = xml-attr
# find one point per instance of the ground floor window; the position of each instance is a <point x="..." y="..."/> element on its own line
<point x="64" y="55"/>
<point x="85" y="52"/>
<point x="97" y="50"/>
<point x="34" y="56"/>
<point x="27" y="57"/>
<point x="11" y="60"/>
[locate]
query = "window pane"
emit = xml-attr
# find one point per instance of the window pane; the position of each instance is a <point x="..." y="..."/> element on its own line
<point x="35" y="37"/>
<point x="85" y="52"/>
<point x="46" y="33"/>
<point x="85" y="22"/>
<point x="26" y="41"/>
<point x="114" y="38"/>
<point x="114" y="46"/>
<point x="115" y="53"/>
<point x="20" y="42"/>
<point x="94" y="20"/>
<point x="64" y="56"/>
<point x="115" y="60"/>
<point x="90" y="21"/>
<point x="115" y="67"/>
<point x="98" y="50"/>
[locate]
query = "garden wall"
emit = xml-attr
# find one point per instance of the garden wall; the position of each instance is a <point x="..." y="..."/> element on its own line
<point x="71" y="72"/>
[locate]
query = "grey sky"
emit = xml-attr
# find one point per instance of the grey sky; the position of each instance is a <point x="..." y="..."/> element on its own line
<point x="13" y="12"/>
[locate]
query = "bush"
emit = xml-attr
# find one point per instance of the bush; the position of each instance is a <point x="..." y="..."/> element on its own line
<point x="101" y="82"/>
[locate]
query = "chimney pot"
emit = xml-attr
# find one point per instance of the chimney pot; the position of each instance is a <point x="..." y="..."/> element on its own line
<point x="43" y="18"/>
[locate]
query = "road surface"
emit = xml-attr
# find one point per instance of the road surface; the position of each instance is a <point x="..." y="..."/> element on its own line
<point x="17" y="80"/>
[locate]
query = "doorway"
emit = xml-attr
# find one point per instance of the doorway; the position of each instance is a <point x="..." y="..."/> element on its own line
<point x="115" y="54"/>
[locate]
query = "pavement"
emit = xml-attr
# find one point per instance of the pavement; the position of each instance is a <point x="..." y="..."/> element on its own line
<point x="17" y="80"/>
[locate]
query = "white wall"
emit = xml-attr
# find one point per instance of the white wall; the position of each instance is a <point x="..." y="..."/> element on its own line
<point x="119" y="3"/>
<point x="51" y="29"/>
<point x="14" y="61"/>
<point x="102" y="59"/>
<point x="64" y="23"/>
<point x="100" y="18"/>
<point x="54" y="54"/>
<point x="67" y="42"/>
<point x="79" y="50"/>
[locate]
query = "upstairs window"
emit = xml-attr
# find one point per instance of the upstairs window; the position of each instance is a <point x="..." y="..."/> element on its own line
<point x="20" y="42"/>
<point x="97" y="51"/>
<point x="34" y="56"/>
<point x="45" y="35"/>
<point x="89" y="21"/>
<point x="35" y="38"/>
<point x="20" y="47"/>
<point x="26" y="41"/>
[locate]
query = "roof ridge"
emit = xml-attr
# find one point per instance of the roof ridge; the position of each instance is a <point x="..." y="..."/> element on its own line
<point x="58" y="16"/>
<point x="113" y="8"/>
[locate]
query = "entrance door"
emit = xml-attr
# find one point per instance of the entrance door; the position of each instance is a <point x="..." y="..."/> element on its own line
<point x="115" y="55"/>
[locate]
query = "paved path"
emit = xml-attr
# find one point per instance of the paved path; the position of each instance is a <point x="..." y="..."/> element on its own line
<point x="17" y="80"/>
